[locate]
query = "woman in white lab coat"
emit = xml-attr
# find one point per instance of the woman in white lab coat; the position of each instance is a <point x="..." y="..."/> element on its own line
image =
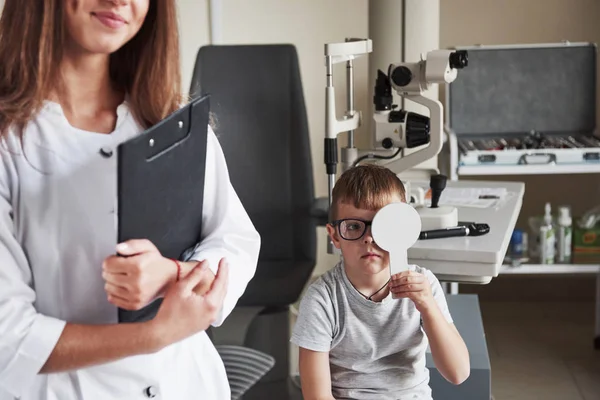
<point x="78" y="77"/>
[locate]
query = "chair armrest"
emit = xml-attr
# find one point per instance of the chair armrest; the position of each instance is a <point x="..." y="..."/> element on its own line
<point x="320" y="210"/>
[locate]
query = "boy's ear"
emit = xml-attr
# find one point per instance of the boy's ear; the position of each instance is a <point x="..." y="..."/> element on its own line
<point x="332" y="232"/>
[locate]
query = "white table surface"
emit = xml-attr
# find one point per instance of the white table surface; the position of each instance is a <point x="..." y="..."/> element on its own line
<point x="473" y="259"/>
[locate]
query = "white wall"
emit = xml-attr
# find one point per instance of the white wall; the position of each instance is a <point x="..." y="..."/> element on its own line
<point x="308" y="25"/>
<point x="194" y="33"/>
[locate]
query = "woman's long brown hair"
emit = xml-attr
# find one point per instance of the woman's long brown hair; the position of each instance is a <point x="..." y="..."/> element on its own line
<point x="32" y="37"/>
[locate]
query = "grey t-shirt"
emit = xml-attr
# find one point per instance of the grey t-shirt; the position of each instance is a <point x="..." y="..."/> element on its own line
<point x="376" y="350"/>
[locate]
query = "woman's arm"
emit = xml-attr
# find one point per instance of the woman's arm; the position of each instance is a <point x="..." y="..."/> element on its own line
<point x="82" y="346"/>
<point x="227" y="230"/>
<point x="182" y="313"/>
<point x="141" y="274"/>
<point x="315" y="375"/>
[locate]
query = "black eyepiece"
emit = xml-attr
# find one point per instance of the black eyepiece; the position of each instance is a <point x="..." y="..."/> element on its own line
<point x="459" y="59"/>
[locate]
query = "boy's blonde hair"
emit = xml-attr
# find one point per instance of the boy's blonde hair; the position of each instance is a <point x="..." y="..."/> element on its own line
<point x="368" y="187"/>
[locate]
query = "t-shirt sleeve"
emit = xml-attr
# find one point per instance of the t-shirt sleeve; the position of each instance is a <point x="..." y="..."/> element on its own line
<point x="314" y="326"/>
<point x="439" y="295"/>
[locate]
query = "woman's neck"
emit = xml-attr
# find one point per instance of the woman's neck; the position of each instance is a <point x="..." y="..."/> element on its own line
<point x="85" y="86"/>
<point x="372" y="286"/>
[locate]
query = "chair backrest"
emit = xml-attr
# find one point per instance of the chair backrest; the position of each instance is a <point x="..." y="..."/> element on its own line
<point x="261" y="122"/>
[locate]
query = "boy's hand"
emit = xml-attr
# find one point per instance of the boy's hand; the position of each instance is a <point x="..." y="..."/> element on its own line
<point x="415" y="286"/>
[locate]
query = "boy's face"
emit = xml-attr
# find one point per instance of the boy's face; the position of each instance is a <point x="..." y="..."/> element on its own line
<point x="361" y="255"/>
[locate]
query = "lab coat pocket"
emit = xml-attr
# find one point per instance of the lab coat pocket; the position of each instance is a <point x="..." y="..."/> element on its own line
<point x="62" y="386"/>
<point x="127" y="379"/>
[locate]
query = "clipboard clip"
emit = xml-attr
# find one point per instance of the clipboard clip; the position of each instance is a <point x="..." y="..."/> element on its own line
<point x="176" y="133"/>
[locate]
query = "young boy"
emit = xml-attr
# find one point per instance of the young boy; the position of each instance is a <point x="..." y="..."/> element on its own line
<point x="355" y="340"/>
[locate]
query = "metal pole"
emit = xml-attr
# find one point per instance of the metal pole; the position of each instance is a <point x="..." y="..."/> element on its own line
<point x="331" y="177"/>
<point x="350" y="97"/>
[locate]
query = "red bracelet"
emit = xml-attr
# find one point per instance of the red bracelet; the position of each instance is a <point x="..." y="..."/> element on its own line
<point x="178" y="270"/>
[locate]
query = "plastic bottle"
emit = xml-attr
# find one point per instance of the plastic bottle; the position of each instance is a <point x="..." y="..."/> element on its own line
<point x="547" y="238"/>
<point x="564" y="234"/>
<point x="516" y="247"/>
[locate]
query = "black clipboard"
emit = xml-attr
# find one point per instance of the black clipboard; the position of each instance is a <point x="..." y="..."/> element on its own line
<point x="161" y="177"/>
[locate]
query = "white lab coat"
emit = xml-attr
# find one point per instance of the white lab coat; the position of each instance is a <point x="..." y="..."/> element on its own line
<point x="57" y="225"/>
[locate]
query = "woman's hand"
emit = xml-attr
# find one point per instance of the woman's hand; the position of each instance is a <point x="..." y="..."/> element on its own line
<point x="138" y="275"/>
<point x="184" y="311"/>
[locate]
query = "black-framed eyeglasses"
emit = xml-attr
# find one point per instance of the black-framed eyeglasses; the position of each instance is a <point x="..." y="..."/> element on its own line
<point x="351" y="228"/>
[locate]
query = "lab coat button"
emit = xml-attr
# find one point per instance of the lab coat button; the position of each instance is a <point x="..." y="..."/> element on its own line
<point x="151" y="392"/>
<point x="106" y="152"/>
